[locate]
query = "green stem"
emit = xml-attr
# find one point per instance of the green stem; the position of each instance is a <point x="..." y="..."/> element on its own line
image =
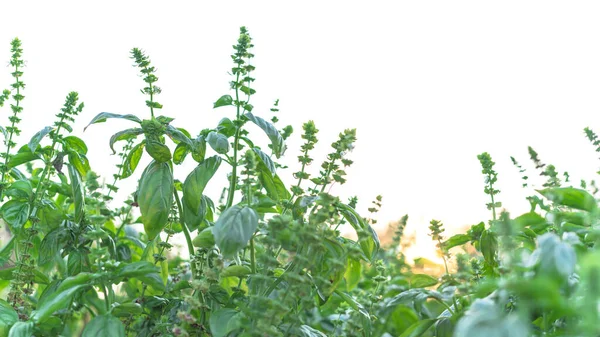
<point x="233" y="179"/>
<point x="252" y="256"/>
<point x="186" y="232"/>
<point x="10" y="137"/>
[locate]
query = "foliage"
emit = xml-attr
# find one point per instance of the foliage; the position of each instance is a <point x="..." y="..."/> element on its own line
<point x="267" y="259"/>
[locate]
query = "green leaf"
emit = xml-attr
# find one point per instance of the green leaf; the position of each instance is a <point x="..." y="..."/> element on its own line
<point x="3" y="130"/>
<point x="75" y="263"/>
<point x="178" y="136"/>
<point x="553" y="257"/>
<point x="51" y="244"/>
<point x="104" y="326"/>
<point x="199" y="149"/>
<point x="277" y="142"/>
<point x="8" y="317"/>
<point x="218" y="142"/>
<point x="23" y="157"/>
<point x="56" y="301"/>
<point x="155" y="197"/>
<point x="223" y="321"/>
<point x="353" y="274"/>
<point x="132" y="160"/>
<point x="226" y="127"/>
<point x="124" y="135"/>
<point x="76" y="144"/>
<point x="21" y="329"/>
<point x="570" y="197"/>
<point x="354" y="304"/>
<point x="7" y="250"/>
<point x="37" y="138"/>
<point x="488" y="245"/>
<point x="265" y="159"/>
<point x="205" y="238"/>
<point x="15" y="212"/>
<point x="236" y="270"/>
<point x="181" y="151"/>
<point x="420" y="327"/>
<point x="20" y="190"/>
<point x="194" y="186"/>
<point x="80" y="162"/>
<point x="485" y="319"/>
<point x="456" y="240"/>
<point x="422" y="281"/>
<point x="78" y="194"/>
<point x="158" y="151"/>
<point x="103" y="116"/>
<point x="275" y="188"/>
<point x="368" y="239"/>
<point x="234" y="228"/>
<point x="307" y="331"/>
<point x="224" y="100"/>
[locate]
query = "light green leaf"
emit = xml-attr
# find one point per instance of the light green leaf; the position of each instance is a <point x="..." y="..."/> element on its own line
<point x="132" y="160"/>
<point x="76" y="144"/>
<point x="21" y="329"/>
<point x="367" y="237"/>
<point x="422" y="281"/>
<point x="104" y="326"/>
<point x="571" y="197"/>
<point x="124" y="135"/>
<point x="37" y="138"/>
<point x="218" y="142"/>
<point x="103" y="116"/>
<point x="277" y="142"/>
<point x="8" y="317"/>
<point x="223" y="321"/>
<point x="15" y="212"/>
<point x="234" y="228"/>
<point x="224" y="100"/>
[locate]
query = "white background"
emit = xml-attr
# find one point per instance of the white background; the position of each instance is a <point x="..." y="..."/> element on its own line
<point x="428" y="84"/>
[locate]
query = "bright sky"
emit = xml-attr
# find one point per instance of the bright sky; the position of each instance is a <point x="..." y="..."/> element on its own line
<point x="428" y="84"/>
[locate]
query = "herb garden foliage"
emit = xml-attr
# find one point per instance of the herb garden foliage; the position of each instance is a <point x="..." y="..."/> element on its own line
<point x="266" y="259"/>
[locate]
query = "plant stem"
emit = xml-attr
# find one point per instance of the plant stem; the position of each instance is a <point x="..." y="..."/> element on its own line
<point x="186" y="232"/>
<point x="233" y="179"/>
<point x="10" y="137"/>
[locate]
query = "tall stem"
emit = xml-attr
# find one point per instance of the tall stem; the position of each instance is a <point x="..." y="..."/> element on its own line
<point x="186" y="232"/>
<point x="233" y="179"/>
<point x="10" y="136"/>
